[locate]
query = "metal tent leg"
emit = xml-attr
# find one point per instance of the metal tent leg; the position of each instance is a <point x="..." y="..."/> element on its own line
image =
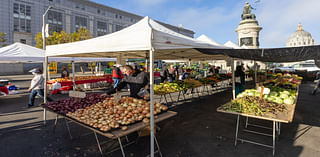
<point x="119" y="140"/>
<point x="68" y="128"/>
<point x="95" y="134"/>
<point x="237" y="129"/>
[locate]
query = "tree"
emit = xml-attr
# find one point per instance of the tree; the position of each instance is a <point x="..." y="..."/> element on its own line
<point x="63" y="37"/>
<point x="2" y="38"/>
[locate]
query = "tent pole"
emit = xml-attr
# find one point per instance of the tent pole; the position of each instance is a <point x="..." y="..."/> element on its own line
<point x="45" y="90"/>
<point x="255" y="72"/>
<point x="233" y="80"/>
<point x="73" y="76"/>
<point x="151" y="105"/>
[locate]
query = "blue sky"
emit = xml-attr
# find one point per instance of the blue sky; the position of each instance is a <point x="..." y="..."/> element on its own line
<point x="218" y="19"/>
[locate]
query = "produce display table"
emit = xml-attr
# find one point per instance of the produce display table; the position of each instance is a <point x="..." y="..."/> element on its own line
<point x="116" y="133"/>
<point x="283" y="117"/>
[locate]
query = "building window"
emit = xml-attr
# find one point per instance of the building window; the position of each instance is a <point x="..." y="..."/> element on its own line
<point x="21" y="18"/>
<point x="118" y="27"/>
<point x="110" y="26"/>
<point x="98" y="11"/>
<point x="116" y="16"/>
<point x="23" y="41"/>
<point x="80" y="22"/>
<point x="102" y="28"/>
<point x="120" y="17"/>
<point x="55" y="21"/>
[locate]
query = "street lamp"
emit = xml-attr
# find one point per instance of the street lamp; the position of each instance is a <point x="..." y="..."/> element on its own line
<point x="45" y="65"/>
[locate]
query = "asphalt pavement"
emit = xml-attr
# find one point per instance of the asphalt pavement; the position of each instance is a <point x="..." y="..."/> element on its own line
<point x="197" y="131"/>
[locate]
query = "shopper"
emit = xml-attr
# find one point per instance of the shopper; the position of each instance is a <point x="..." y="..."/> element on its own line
<point x="164" y="74"/>
<point x="180" y="72"/>
<point x="108" y="70"/>
<point x="116" y="75"/>
<point x="36" y="87"/>
<point x="317" y="80"/>
<point x="64" y="72"/>
<point x="217" y="70"/>
<point x="212" y="69"/>
<point x="172" y="73"/>
<point x="239" y="79"/>
<point x="138" y="82"/>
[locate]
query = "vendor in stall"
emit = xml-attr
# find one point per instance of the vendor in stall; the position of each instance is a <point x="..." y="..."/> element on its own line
<point x="137" y="80"/>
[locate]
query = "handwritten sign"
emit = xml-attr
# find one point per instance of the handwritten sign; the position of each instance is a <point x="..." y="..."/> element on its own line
<point x="77" y="94"/>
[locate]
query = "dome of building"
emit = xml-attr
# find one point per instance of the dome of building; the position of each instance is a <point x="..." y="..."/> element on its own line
<point x="300" y="38"/>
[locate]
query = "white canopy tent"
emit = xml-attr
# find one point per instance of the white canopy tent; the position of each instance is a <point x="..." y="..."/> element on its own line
<point x="206" y="39"/>
<point x="144" y="38"/>
<point x="19" y="52"/>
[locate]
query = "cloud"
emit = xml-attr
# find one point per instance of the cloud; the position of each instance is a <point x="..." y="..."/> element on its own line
<point x="280" y="19"/>
<point x="215" y="22"/>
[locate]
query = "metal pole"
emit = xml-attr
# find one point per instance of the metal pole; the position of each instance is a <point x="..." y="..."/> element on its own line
<point x="233" y="80"/>
<point x="151" y="105"/>
<point x="255" y="72"/>
<point x="45" y="65"/>
<point x="73" y="76"/>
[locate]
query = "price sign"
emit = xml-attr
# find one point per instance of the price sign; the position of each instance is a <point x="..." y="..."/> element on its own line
<point x="110" y="63"/>
<point x="77" y="94"/>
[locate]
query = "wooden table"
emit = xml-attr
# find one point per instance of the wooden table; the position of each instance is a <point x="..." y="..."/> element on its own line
<point x="285" y="117"/>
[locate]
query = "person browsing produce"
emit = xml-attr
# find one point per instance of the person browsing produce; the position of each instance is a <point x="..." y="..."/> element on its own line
<point x="137" y="80"/>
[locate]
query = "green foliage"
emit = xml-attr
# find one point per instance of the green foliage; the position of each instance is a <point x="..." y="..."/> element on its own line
<point x="2" y="38"/>
<point x="63" y="37"/>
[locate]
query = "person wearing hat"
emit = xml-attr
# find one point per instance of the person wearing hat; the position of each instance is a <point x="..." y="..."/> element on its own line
<point x="36" y="87"/>
<point x="116" y="75"/>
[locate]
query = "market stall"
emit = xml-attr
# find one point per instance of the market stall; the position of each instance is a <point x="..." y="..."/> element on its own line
<point x="145" y="38"/>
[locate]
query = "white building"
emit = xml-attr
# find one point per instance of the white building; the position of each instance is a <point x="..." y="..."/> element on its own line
<point x="300" y="38"/>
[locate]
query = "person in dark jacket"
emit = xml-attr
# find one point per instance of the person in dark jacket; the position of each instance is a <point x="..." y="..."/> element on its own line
<point x="64" y="72"/>
<point x="239" y="79"/>
<point x="137" y="80"/>
<point x="116" y="75"/>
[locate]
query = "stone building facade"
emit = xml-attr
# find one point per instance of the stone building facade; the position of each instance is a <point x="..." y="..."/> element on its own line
<point x="22" y="19"/>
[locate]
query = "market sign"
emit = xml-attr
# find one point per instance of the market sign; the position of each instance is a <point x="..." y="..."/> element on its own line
<point x="77" y="94"/>
<point x="53" y="68"/>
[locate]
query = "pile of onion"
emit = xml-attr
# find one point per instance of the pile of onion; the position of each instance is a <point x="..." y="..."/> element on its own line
<point x="110" y="114"/>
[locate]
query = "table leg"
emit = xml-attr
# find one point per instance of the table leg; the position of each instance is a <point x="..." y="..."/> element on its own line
<point x="55" y="123"/>
<point x="178" y="96"/>
<point x="158" y="146"/>
<point x="68" y="128"/>
<point x="247" y="119"/>
<point x="171" y="97"/>
<point x="273" y="137"/>
<point x="165" y="98"/>
<point x="237" y="129"/>
<point x="279" y="125"/>
<point x="44" y="116"/>
<point x="121" y="147"/>
<point x="95" y="134"/>
<point x="160" y="98"/>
